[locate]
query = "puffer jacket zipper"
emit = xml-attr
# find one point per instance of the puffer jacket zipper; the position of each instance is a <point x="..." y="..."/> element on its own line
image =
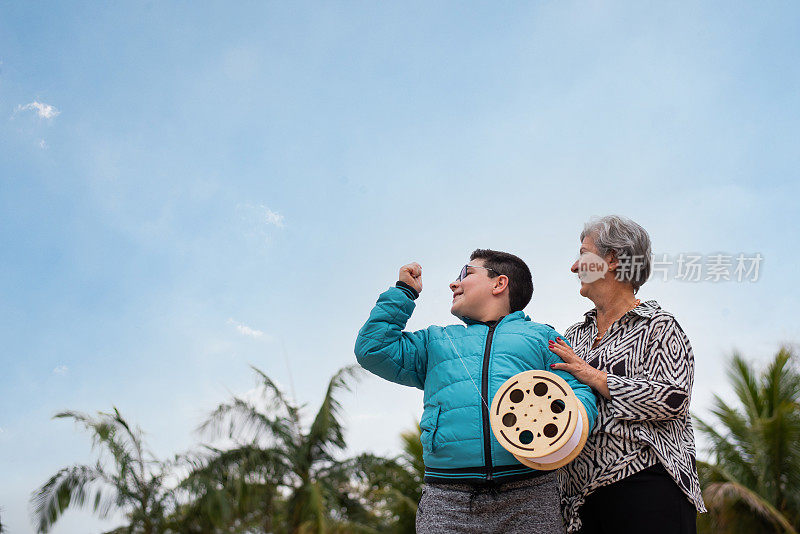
<point x="487" y="440"/>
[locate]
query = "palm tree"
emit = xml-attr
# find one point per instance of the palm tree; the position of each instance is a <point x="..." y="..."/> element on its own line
<point x="133" y="483"/>
<point x="393" y="486"/>
<point x="290" y="474"/>
<point x="228" y="491"/>
<point x="753" y="480"/>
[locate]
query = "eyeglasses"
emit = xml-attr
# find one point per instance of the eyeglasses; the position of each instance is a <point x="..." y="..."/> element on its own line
<point x="463" y="274"/>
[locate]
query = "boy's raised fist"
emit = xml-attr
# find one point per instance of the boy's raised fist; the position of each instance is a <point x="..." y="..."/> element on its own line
<point x="411" y="274"/>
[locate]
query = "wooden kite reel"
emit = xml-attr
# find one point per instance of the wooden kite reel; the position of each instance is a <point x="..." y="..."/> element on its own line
<point x="536" y="416"/>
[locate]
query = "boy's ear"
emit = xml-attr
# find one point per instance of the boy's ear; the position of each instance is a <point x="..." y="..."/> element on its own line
<point x="500" y="284"/>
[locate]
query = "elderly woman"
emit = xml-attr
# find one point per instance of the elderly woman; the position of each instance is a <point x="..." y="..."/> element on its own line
<point x="637" y="471"/>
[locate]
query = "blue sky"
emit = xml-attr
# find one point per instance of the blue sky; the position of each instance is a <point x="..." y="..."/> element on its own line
<point x="189" y="188"/>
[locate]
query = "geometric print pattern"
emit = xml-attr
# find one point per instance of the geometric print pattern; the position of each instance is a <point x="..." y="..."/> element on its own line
<point x="650" y="368"/>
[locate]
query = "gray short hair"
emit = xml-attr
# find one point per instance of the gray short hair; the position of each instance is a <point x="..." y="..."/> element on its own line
<point x="629" y="242"/>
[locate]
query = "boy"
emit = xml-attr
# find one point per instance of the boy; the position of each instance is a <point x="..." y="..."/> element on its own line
<point x="460" y="369"/>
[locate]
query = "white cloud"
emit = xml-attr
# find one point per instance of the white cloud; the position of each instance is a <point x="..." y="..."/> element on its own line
<point x="259" y="222"/>
<point x="44" y="111"/>
<point x="246" y="330"/>
<point x="43" y="144"/>
<point x="261" y="214"/>
<point x="60" y="370"/>
<point x="268" y="216"/>
<point x="274" y="218"/>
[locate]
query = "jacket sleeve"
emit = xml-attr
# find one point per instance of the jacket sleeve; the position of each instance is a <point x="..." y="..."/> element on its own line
<point x="385" y="350"/>
<point x="584" y="393"/>
<point x="665" y="390"/>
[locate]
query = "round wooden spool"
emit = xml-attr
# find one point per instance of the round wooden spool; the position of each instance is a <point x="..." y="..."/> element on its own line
<point x="536" y="417"/>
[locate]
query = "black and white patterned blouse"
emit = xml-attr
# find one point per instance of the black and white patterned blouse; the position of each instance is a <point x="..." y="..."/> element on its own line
<point x="650" y="369"/>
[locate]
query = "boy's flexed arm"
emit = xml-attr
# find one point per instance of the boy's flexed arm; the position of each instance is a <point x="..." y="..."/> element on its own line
<point x="382" y="347"/>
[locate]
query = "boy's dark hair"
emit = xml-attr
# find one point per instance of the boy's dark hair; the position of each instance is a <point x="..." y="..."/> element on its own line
<point x="520" y="282"/>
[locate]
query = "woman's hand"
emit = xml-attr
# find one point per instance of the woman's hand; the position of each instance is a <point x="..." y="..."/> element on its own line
<point x="577" y="367"/>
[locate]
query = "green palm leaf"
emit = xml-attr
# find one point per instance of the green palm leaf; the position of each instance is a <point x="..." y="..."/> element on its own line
<point x="755" y="445"/>
<point x="133" y="482"/>
<point x="326" y="431"/>
<point x="274" y="457"/>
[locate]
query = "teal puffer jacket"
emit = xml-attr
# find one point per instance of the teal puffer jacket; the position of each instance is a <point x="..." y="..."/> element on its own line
<point x="457" y="366"/>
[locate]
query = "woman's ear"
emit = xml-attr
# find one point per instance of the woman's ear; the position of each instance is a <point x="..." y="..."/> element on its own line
<point x="612" y="261"/>
<point x="500" y="284"/>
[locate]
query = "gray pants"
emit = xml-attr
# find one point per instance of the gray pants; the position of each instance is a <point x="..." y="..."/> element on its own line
<point x="528" y="506"/>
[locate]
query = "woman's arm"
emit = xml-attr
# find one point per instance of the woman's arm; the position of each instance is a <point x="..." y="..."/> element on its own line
<point x="577" y="367"/>
<point x="661" y="394"/>
<point x="581" y="389"/>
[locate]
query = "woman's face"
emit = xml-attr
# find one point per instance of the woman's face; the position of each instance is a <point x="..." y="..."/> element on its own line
<point x="590" y="267"/>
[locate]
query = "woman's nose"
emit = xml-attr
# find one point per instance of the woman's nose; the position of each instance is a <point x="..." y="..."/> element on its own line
<point x="574" y="267"/>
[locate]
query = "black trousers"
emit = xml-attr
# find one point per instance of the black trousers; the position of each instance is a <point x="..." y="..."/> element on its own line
<point x="647" y="501"/>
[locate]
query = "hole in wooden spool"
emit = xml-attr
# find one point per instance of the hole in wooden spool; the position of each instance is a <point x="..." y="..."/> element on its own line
<point x="509" y="419"/>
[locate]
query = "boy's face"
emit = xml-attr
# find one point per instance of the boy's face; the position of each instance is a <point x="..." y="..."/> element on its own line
<point x="473" y="294"/>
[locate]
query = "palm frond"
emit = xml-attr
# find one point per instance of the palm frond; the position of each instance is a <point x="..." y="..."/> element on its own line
<point x="241" y="461"/>
<point x="133" y="482"/>
<point x="412" y="449"/>
<point x="133" y="438"/>
<point x="318" y="508"/>
<point x="239" y="418"/>
<point x="718" y="494"/>
<point x="70" y="487"/>
<point x="326" y="433"/>
<point x="124" y="447"/>
<point x="279" y="399"/>
<point x="781" y="381"/>
<point x="726" y="452"/>
<point x="756" y="444"/>
<point x="745" y="385"/>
